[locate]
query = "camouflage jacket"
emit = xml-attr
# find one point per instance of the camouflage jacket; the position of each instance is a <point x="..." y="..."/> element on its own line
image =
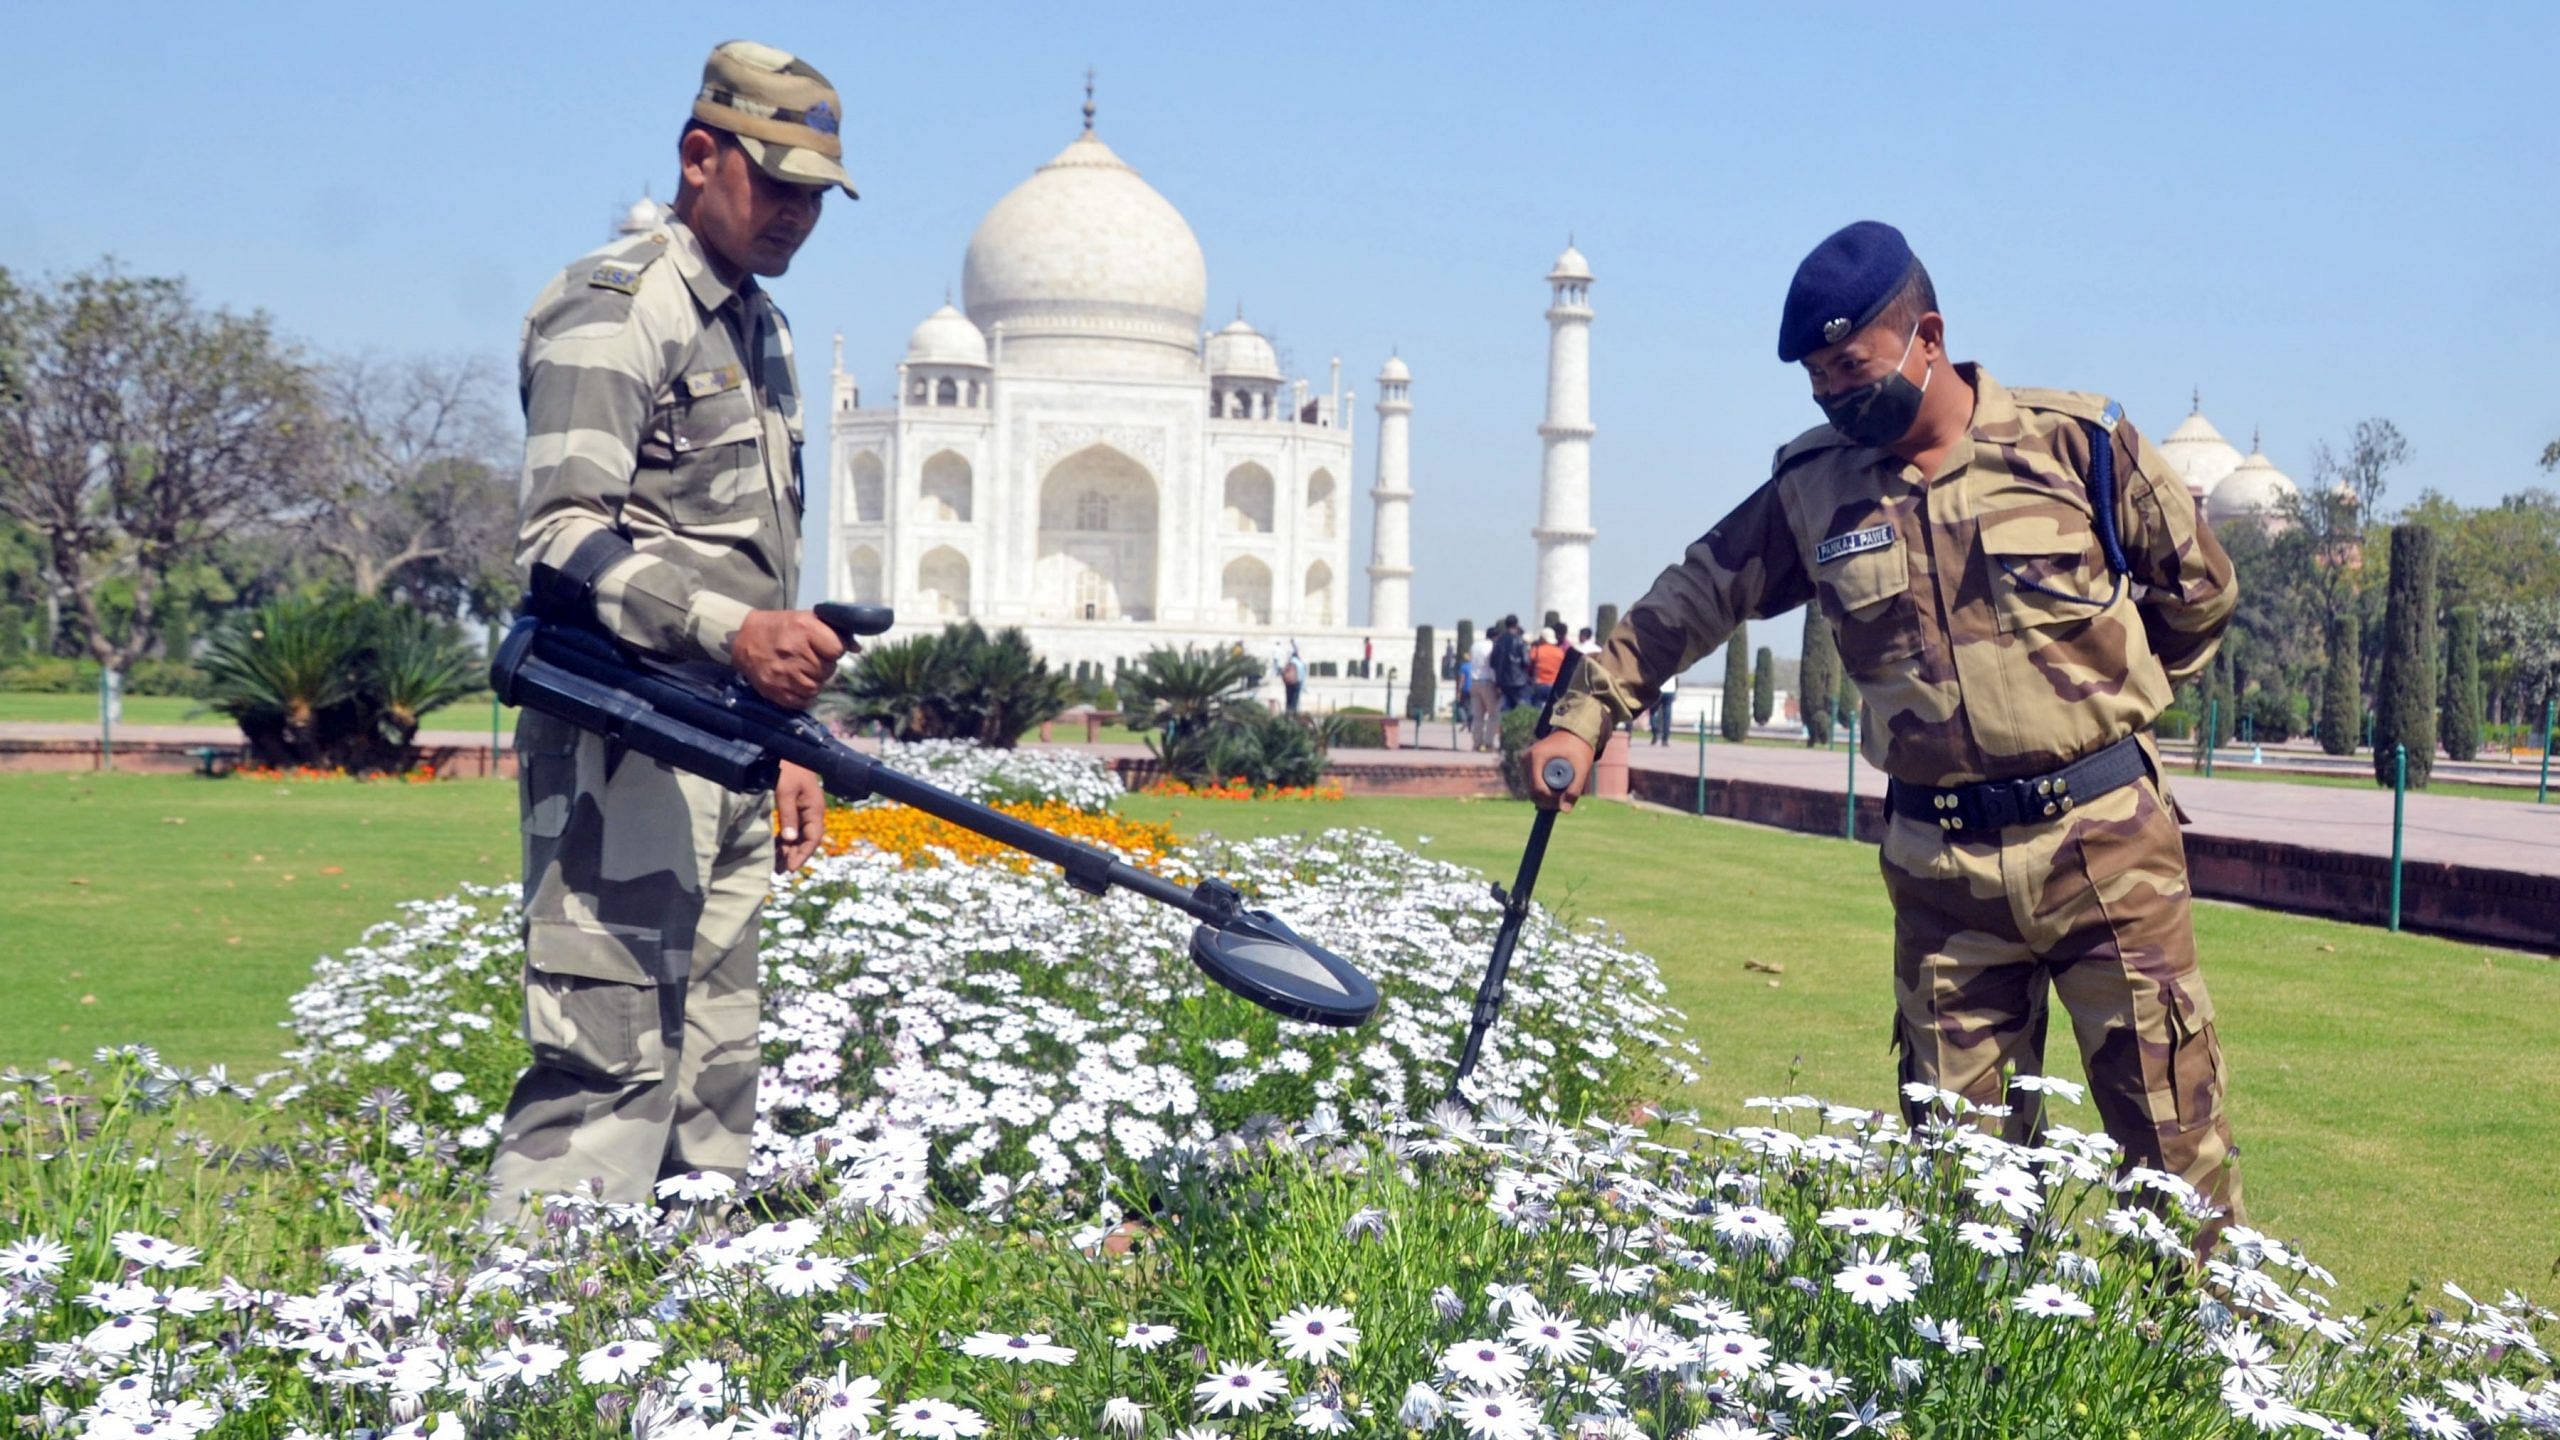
<point x="662" y="444"/>
<point x="1975" y="611"/>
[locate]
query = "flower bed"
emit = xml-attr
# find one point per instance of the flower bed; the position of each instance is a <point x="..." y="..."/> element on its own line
<point x="1020" y="1171"/>
<point x="1238" y="788"/>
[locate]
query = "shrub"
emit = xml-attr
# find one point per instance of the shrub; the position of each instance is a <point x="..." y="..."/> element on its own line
<point x="335" y="681"/>
<point x="1177" y="690"/>
<point x="2174" y="724"/>
<point x="962" y="684"/>
<point x="42" y="675"/>
<point x="2341" y="697"/>
<point x="2275" y="716"/>
<point x="2405" y="695"/>
<point x="1246" y="741"/>
<point x="1519" y="730"/>
<point x="2462" y="683"/>
<point x="1818" y="677"/>
<point x="1764" y="686"/>
<point x="1736" y="722"/>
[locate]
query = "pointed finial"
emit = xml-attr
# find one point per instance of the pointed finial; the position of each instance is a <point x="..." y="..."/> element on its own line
<point x="2254" y="446"/>
<point x="2195" y="401"/>
<point x="946" y="292"/>
<point x="1088" y="99"/>
<point x="1239" y="308"/>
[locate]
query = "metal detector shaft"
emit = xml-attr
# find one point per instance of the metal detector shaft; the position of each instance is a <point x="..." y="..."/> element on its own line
<point x="1560" y="779"/>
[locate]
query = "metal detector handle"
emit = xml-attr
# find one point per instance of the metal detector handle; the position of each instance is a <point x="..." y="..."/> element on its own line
<point x="849" y="621"/>
<point x="1558" y="773"/>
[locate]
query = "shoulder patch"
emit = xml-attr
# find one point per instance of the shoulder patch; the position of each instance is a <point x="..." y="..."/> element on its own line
<point x="625" y="278"/>
<point x="2078" y="404"/>
<point x="2110" y="417"/>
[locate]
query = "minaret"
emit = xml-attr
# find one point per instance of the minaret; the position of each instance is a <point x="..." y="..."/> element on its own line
<point x="1391" y="537"/>
<point x="1564" y="491"/>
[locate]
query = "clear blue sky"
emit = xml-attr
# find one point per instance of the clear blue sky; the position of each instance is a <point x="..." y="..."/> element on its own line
<point x="2316" y="213"/>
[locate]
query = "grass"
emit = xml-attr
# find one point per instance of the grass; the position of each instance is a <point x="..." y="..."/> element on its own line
<point x="2392" y="1093"/>
<point x="184" y="912"/>
<point x="2464" y="789"/>
<point x="471" y="715"/>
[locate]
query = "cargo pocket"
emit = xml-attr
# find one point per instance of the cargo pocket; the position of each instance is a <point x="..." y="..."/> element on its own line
<point x="718" y="462"/>
<point x="1868" y="599"/>
<point x="591" y="1001"/>
<point x="2195" y="1060"/>
<point x="550" y="785"/>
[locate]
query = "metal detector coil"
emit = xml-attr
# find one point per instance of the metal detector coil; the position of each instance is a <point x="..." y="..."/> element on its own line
<point x="720" y="729"/>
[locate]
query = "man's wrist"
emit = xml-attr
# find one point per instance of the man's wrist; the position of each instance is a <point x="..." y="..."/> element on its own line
<point x="713" y="621"/>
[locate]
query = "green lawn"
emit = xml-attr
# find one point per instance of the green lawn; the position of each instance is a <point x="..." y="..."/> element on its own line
<point x="178" y="710"/>
<point x="184" y="912"/>
<point x="2466" y="789"/>
<point x="2393" y="1093"/>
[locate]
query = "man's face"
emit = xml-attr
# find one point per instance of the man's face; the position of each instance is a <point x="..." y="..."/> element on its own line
<point x="749" y="219"/>
<point x="1864" y="358"/>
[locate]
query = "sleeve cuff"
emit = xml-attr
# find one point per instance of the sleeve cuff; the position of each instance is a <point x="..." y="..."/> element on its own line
<point x="713" y="622"/>
<point x="1583" y="717"/>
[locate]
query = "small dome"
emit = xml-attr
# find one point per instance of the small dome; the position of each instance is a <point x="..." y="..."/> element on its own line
<point x="1086" y="250"/>
<point x="947" y="338"/>
<point x="1394" y="369"/>
<point x="2199" y="453"/>
<point x="644" y="216"/>
<point x="1240" y="350"/>
<point x="2254" y="490"/>
<point x="1570" y="266"/>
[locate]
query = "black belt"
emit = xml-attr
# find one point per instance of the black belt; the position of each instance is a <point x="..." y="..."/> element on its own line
<point x="1997" y="804"/>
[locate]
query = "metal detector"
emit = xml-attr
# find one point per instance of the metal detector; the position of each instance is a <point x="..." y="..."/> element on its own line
<point x="720" y="729"/>
<point x="1515" y="901"/>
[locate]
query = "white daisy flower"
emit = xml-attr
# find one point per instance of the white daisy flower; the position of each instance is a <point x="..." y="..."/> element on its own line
<point x="1808" y="1384"/>
<point x="2434" y="1422"/>
<point x="936" y="1420"/>
<point x="2007" y="1189"/>
<point x="1496" y="1415"/>
<point x="1994" y="1240"/>
<point x="805" y="1275"/>
<point x="1876" y="1284"/>
<point x="1553" y="1339"/>
<point x="1124" y="1417"/>
<point x="697" y="1187"/>
<point x="1016" y="1349"/>
<point x="846" y="1404"/>
<point x="2266" y="1412"/>
<point x="1735" y="1353"/>
<point x="2051" y="1301"/>
<point x="37" y="1257"/>
<point x="1314" y="1334"/>
<point x="617" y="1361"/>
<point x="1489" y="1364"/>
<point x="1239" y="1387"/>
<point x="153" y="1253"/>
<point x="120" y="1335"/>
<point x="526" y="1363"/>
<point x="1753" y="1228"/>
<point x="1141" y="1336"/>
<point x="1321" y="1413"/>
<point x="2071" y="1090"/>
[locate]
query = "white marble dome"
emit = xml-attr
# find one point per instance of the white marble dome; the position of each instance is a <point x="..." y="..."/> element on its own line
<point x="1241" y="351"/>
<point x="644" y="216"/>
<point x="1570" y="266"/>
<point x="2199" y="453"/>
<point x="947" y="338"/>
<point x="2255" y="489"/>
<point x="1394" y="369"/>
<point x="1087" y="252"/>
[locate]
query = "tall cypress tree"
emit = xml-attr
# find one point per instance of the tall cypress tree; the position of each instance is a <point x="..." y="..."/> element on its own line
<point x="2462" y="683"/>
<point x="1818" y="677"/>
<point x="1737" y="684"/>
<point x="1420" y="692"/>
<point x="2405" y="696"/>
<point x="1764" y="686"/>
<point x="2341" y="698"/>
<point x="1605" y="626"/>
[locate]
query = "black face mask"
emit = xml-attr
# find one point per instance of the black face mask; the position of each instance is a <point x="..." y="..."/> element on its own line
<point x="1880" y="413"/>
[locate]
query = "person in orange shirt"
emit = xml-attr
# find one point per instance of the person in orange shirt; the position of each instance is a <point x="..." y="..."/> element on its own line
<point x="1546" y="660"/>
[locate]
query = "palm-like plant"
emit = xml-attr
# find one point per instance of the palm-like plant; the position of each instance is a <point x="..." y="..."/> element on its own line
<point x="1181" y="691"/>
<point x="962" y="684"/>
<point x="903" y="684"/>
<point x="284" y="670"/>
<point x="418" y="663"/>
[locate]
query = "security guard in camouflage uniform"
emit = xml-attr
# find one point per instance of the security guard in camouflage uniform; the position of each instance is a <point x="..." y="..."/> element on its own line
<point x="2016" y="579"/>
<point x="662" y="488"/>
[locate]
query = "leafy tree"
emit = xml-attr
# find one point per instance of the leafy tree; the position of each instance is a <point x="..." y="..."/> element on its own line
<point x="1421" y="691"/>
<point x="2461" y="709"/>
<point x="411" y="492"/>
<point x="2341" y="698"/>
<point x="1764" y="686"/>
<point x="2405" y="695"/>
<point x="1819" y="670"/>
<point x="1736" y="723"/>
<point x="137" y="428"/>
<point x="1466" y="638"/>
<point x="960" y="684"/>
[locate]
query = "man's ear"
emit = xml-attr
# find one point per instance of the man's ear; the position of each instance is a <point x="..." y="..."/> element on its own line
<point x="1933" y="331"/>
<point x="696" y="154"/>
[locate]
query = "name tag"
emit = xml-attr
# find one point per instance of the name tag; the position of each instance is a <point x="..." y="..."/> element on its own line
<point x="1874" y="537"/>
<point x="713" y="381"/>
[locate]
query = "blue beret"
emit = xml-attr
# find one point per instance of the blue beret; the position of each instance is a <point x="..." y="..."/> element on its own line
<point x="1842" y="285"/>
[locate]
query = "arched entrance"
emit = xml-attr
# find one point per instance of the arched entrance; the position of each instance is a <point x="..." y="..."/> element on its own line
<point x="1244" y="591"/>
<point x="1097" y="555"/>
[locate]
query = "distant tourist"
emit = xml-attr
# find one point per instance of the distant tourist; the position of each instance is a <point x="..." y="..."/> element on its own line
<point x="1585" y="643"/>
<point x="1546" y="662"/>
<point x="1484" y="696"/>
<point x="1511" y="664"/>
<point x="1661" y="712"/>
<point x="1293" y="677"/>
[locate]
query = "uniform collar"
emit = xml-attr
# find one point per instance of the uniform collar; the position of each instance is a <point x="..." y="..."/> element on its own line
<point x="694" y="264"/>
<point x="1996" y="417"/>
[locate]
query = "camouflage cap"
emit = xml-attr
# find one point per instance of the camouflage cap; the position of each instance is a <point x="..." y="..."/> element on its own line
<point x="784" y="113"/>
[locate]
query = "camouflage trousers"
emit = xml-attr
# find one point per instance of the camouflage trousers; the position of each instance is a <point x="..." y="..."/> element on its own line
<point x="2096" y="904"/>
<point x="642" y="892"/>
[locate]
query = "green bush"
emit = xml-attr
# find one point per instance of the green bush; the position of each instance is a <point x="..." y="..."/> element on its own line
<point x="2341" y="694"/>
<point x="2462" y="683"/>
<point x="1246" y="741"/>
<point x="49" y="676"/>
<point x="1519" y="729"/>
<point x="1356" y="727"/>
<point x="962" y="684"/>
<point x="2174" y="724"/>
<point x="335" y="680"/>
<point x="2275" y="716"/>
<point x="1737" y="685"/>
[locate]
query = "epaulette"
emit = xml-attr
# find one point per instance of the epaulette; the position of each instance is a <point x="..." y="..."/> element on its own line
<point x="620" y="268"/>
<point x="1805" y="446"/>
<point x="2078" y="404"/>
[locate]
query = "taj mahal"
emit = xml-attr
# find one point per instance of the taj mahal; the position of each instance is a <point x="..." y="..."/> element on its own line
<point x="1071" y="450"/>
